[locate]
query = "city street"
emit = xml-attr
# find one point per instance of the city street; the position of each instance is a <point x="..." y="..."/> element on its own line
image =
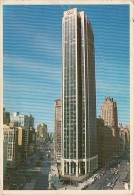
<point x="41" y="182"/>
<point x="113" y="179"/>
<point x="102" y="183"/>
<point x="33" y="172"/>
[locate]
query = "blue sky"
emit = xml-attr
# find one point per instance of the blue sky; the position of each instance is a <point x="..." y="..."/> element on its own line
<point x="33" y="58"/>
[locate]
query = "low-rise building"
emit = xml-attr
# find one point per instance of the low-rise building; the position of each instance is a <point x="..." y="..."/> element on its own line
<point x="5" y="147"/>
<point x="104" y="143"/>
<point x="11" y="137"/>
<point x="6" y="117"/>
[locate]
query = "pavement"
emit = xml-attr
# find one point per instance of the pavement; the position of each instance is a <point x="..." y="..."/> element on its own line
<point x="54" y="172"/>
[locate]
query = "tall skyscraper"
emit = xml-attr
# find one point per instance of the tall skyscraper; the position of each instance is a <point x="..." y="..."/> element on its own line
<point x="79" y="147"/>
<point x="109" y="113"/>
<point x="57" y="130"/>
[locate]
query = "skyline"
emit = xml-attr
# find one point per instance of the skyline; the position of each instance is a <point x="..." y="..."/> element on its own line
<point x="41" y="29"/>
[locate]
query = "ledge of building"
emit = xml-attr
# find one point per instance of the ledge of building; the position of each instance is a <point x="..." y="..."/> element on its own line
<point x="80" y="178"/>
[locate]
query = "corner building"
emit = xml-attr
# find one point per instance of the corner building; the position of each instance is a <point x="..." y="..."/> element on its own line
<point x="79" y="140"/>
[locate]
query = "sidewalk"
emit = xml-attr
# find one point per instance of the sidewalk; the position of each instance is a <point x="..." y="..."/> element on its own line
<point x="54" y="173"/>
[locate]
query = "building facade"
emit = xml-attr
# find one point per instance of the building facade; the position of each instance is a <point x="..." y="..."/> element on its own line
<point x="104" y="142"/>
<point x="23" y="144"/>
<point x="31" y="121"/>
<point x="32" y="141"/>
<point x="6" y="117"/>
<point x="57" y="130"/>
<point x="24" y="121"/>
<point x="109" y="113"/>
<point x="11" y="137"/>
<point x="110" y="116"/>
<point x="124" y="133"/>
<point x="79" y="147"/>
<point x="42" y="131"/>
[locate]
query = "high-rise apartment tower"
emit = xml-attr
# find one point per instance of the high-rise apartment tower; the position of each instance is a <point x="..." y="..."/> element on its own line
<point x="79" y="148"/>
<point x="109" y="113"/>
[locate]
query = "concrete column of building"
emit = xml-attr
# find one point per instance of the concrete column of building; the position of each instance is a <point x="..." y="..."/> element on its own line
<point x="65" y="167"/>
<point x="85" y="167"/>
<point x="77" y="171"/>
<point x="62" y="167"/>
<point x="69" y="167"/>
<point x="79" y="168"/>
<point x="94" y="164"/>
<point x="97" y="162"/>
<point x="73" y="167"/>
<point x="88" y="165"/>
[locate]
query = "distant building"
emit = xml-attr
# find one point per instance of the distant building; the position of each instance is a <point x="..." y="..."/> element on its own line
<point x="22" y="141"/>
<point x="24" y="121"/>
<point x="50" y="137"/>
<point x="109" y="113"/>
<point x="31" y="121"/>
<point x="32" y="135"/>
<point x="21" y="119"/>
<point x="42" y="132"/>
<point x="57" y="130"/>
<point x="32" y="140"/>
<point x="124" y="133"/>
<point x="6" y="117"/>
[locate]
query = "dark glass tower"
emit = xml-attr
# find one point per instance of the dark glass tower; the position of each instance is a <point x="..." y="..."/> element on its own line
<point x="79" y="150"/>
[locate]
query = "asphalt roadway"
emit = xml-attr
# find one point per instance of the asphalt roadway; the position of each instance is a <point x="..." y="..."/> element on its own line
<point x="110" y="176"/>
<point x="41" y="182"/>
<point x="101" y="183"/>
